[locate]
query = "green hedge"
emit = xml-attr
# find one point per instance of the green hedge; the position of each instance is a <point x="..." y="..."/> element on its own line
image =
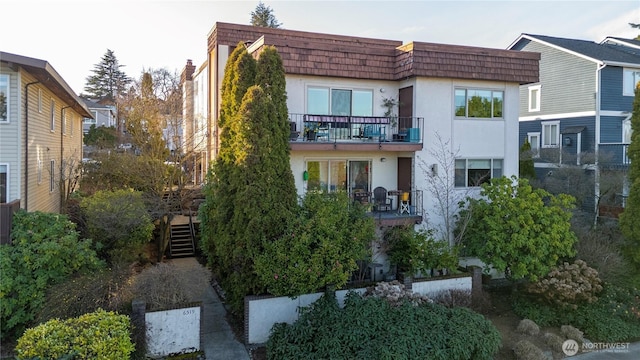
<point x="371" y="328"/>
<point x="99" y="335"/>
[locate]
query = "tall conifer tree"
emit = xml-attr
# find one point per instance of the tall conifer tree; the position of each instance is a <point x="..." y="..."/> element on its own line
<point x="629" y="223"/>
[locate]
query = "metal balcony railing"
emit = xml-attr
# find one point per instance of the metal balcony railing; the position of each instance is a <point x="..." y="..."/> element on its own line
<point x="337" y="128"/>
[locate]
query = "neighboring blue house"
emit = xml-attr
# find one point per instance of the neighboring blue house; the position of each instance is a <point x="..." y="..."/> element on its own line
<point x="582" y="104"/>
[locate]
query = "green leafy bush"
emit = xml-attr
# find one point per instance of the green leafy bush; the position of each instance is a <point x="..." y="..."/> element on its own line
<point x="371" y="328"/>
<point x="97" y="335"/>
<point x="416" y="251"/>
<point x="45" y="251"/>
<point x="118" y="222"/>
<point x="612" y="318"/>
<point x="321" y="249"/>
<point x="569" y="284"/>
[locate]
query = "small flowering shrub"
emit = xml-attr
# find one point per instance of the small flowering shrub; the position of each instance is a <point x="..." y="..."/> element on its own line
<point x="396" y="294"/>
<point x="99" y="335"/>
<point x="568" y="285"/>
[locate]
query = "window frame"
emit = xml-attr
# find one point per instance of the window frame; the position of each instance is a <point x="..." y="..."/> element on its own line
<point x="52" y="173"/>
<point x="7" y="179"/>
<point x="40" y="100"/>
<point x="53" y="115"/>
<point x="628" y="89"/>
<point x="63" y="121"/>
<point x="543" y="134"/>
<point x="493" y="173"/>
<point x="349" y="183"/>
<point x="535" y="152"/>
<point x="7" y="92"/>
<point x="534" y="97"/>
<point x="329" y="108"/>
<point x="492" y="102"/>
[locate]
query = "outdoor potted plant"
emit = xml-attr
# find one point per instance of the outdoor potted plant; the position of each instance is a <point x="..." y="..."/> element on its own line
<point x="310" y="131"/>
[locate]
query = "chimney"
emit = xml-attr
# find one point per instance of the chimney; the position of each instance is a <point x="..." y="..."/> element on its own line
<point x="187" y="73"/>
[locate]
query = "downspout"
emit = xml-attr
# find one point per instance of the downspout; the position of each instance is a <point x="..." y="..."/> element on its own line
<point x="26" y="143"/>
<point x="597" y="146"/>
<point x="63" y="125"/>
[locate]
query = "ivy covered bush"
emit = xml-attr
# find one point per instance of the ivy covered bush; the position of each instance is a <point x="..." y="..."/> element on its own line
<point x="569" y="285"/>
<point x="100" y="335"/>
<point x="46" y="250"/>
<point x="371" y="328"/>
<point x="320" y="249"/>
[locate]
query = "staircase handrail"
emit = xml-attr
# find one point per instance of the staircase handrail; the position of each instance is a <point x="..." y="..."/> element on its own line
<point x="192" y="232"/>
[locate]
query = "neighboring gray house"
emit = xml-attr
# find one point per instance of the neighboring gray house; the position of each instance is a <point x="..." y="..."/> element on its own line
<point x="103" y="115"/>
<point x="579" y="113"/>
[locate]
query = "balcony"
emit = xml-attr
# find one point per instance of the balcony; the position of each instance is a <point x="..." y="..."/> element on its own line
<point x="614" y="155"/>
<point x="400" y="211"/>
<point x="357" y="133"/>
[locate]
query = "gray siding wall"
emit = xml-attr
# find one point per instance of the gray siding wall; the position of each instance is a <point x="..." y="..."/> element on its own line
<point x="11" y="135"/>
<point x="568" y="82"/>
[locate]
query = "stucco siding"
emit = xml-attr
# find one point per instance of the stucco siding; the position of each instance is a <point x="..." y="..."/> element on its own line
<point x="568" y="82"/>
<point x="10" y="135"/>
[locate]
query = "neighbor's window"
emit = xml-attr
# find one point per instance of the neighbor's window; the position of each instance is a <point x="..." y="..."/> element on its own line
<point x="4" y="184"/>
<point x="534" y="98"/>
<point x="475" y="172"/>
<point x="346" y="102"/>
<point x="4" y="98"/>
<point x="52" y="179"/>
<point x="550" y="134"/>
<point x="53" y="115"/>
<point x="90" y="120"/>
<point x="534" y="141"/>
<point x="630" y="79"/>
<point x="478" y="103"/>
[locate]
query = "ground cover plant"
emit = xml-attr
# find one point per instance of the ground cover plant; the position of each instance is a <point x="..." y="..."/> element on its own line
<point x="372" y="328"/>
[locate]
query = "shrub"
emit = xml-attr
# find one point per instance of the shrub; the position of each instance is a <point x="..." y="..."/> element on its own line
<point x="45" y="251"/>
<point x="525" y="350"/>
<point x="553" y="341"/>
<point x="371" y="328"/>
<point x="569" y="284"/>
<point x="528" y="327"/>
<point x="395" y="293"/>
<point x="97" y="335"/>
<point x="118" y="222"/>
<point x="572" y="333"/>
<point x="454" y="298"/>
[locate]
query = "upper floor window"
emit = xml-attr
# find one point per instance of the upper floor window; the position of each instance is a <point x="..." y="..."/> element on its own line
<point x="630" y="79"/>
<point x="40" y="100"/>
<point x="534" y="98"/>
<point x="64" y="121"/>
<point x="73" y="120"/>
<point x="550" y="134"/>
<point x="326" y="101"/>
<point x="478" y="103"/>
<point x="92" y="121"/>
<point x="4" y="98"/>
<point x="52" y="172"/>
<point x="4" y="183"/>
<point x="475" y="172"/>
<point x="53" y="115"/>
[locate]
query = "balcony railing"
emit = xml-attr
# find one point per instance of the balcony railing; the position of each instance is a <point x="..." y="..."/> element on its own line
<point x="614" y="154"/>
<point x="335" y="128"/>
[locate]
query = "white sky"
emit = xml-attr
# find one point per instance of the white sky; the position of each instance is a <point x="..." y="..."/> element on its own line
<point x="74" y="35"/>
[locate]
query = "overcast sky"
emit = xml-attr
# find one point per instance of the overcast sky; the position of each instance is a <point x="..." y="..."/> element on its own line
<point x="150" y="34"/>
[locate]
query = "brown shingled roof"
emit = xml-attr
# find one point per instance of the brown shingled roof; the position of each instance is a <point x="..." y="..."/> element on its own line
<point x="307" y="53"/>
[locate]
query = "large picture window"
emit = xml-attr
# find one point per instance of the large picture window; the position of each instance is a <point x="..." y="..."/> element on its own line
<point x="630" y="79"/>
<point x="4" y="98"/>
<point x="339" y="175"/>
<point x="345" y="102"/>
<point x="478" y="103"/>
<point x="475" y="172"/>
<point x="550" y="134"/>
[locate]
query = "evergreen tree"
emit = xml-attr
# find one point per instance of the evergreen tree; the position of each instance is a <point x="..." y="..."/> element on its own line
<point x="263" y="17"/>
<point x="527" y="170"/>
<point x="107" y="81"/>
<point x="629" y="223"/>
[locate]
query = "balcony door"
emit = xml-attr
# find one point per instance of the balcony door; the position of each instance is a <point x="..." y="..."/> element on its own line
<point x="405" y="108"/>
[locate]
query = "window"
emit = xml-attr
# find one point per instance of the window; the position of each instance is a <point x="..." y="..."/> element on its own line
<point x="64" y="121"/>
<point x="630" y="79"/>
<point x="4" y="98"/>
<point x="534" y="98"/>
<point x="4" y="183"/>
<point x="53" y="115"/>
<point x="90" y="120"/>
<point x="534" y="141"/>
<point x="52" y="179"/>
<point x="40" y="100"/>
<point x="39" y="171"/>
<point x="325" y="101"/>
<point x="550" y="134"/>
<point x="477" y="103"/>
<point x="475" y="172"/>
<point x="73" y="118"/>
<point x="339" y="175"/>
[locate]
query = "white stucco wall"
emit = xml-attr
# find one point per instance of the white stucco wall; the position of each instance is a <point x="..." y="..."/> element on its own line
<point x="173" y="331"/>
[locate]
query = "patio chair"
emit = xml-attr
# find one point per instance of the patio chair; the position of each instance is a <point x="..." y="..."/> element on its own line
<point x="380" y="200"/>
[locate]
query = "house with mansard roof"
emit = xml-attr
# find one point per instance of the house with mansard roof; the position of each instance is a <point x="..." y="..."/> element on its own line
<point x="579" y="112"/>
<point x="370" y="116"/>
